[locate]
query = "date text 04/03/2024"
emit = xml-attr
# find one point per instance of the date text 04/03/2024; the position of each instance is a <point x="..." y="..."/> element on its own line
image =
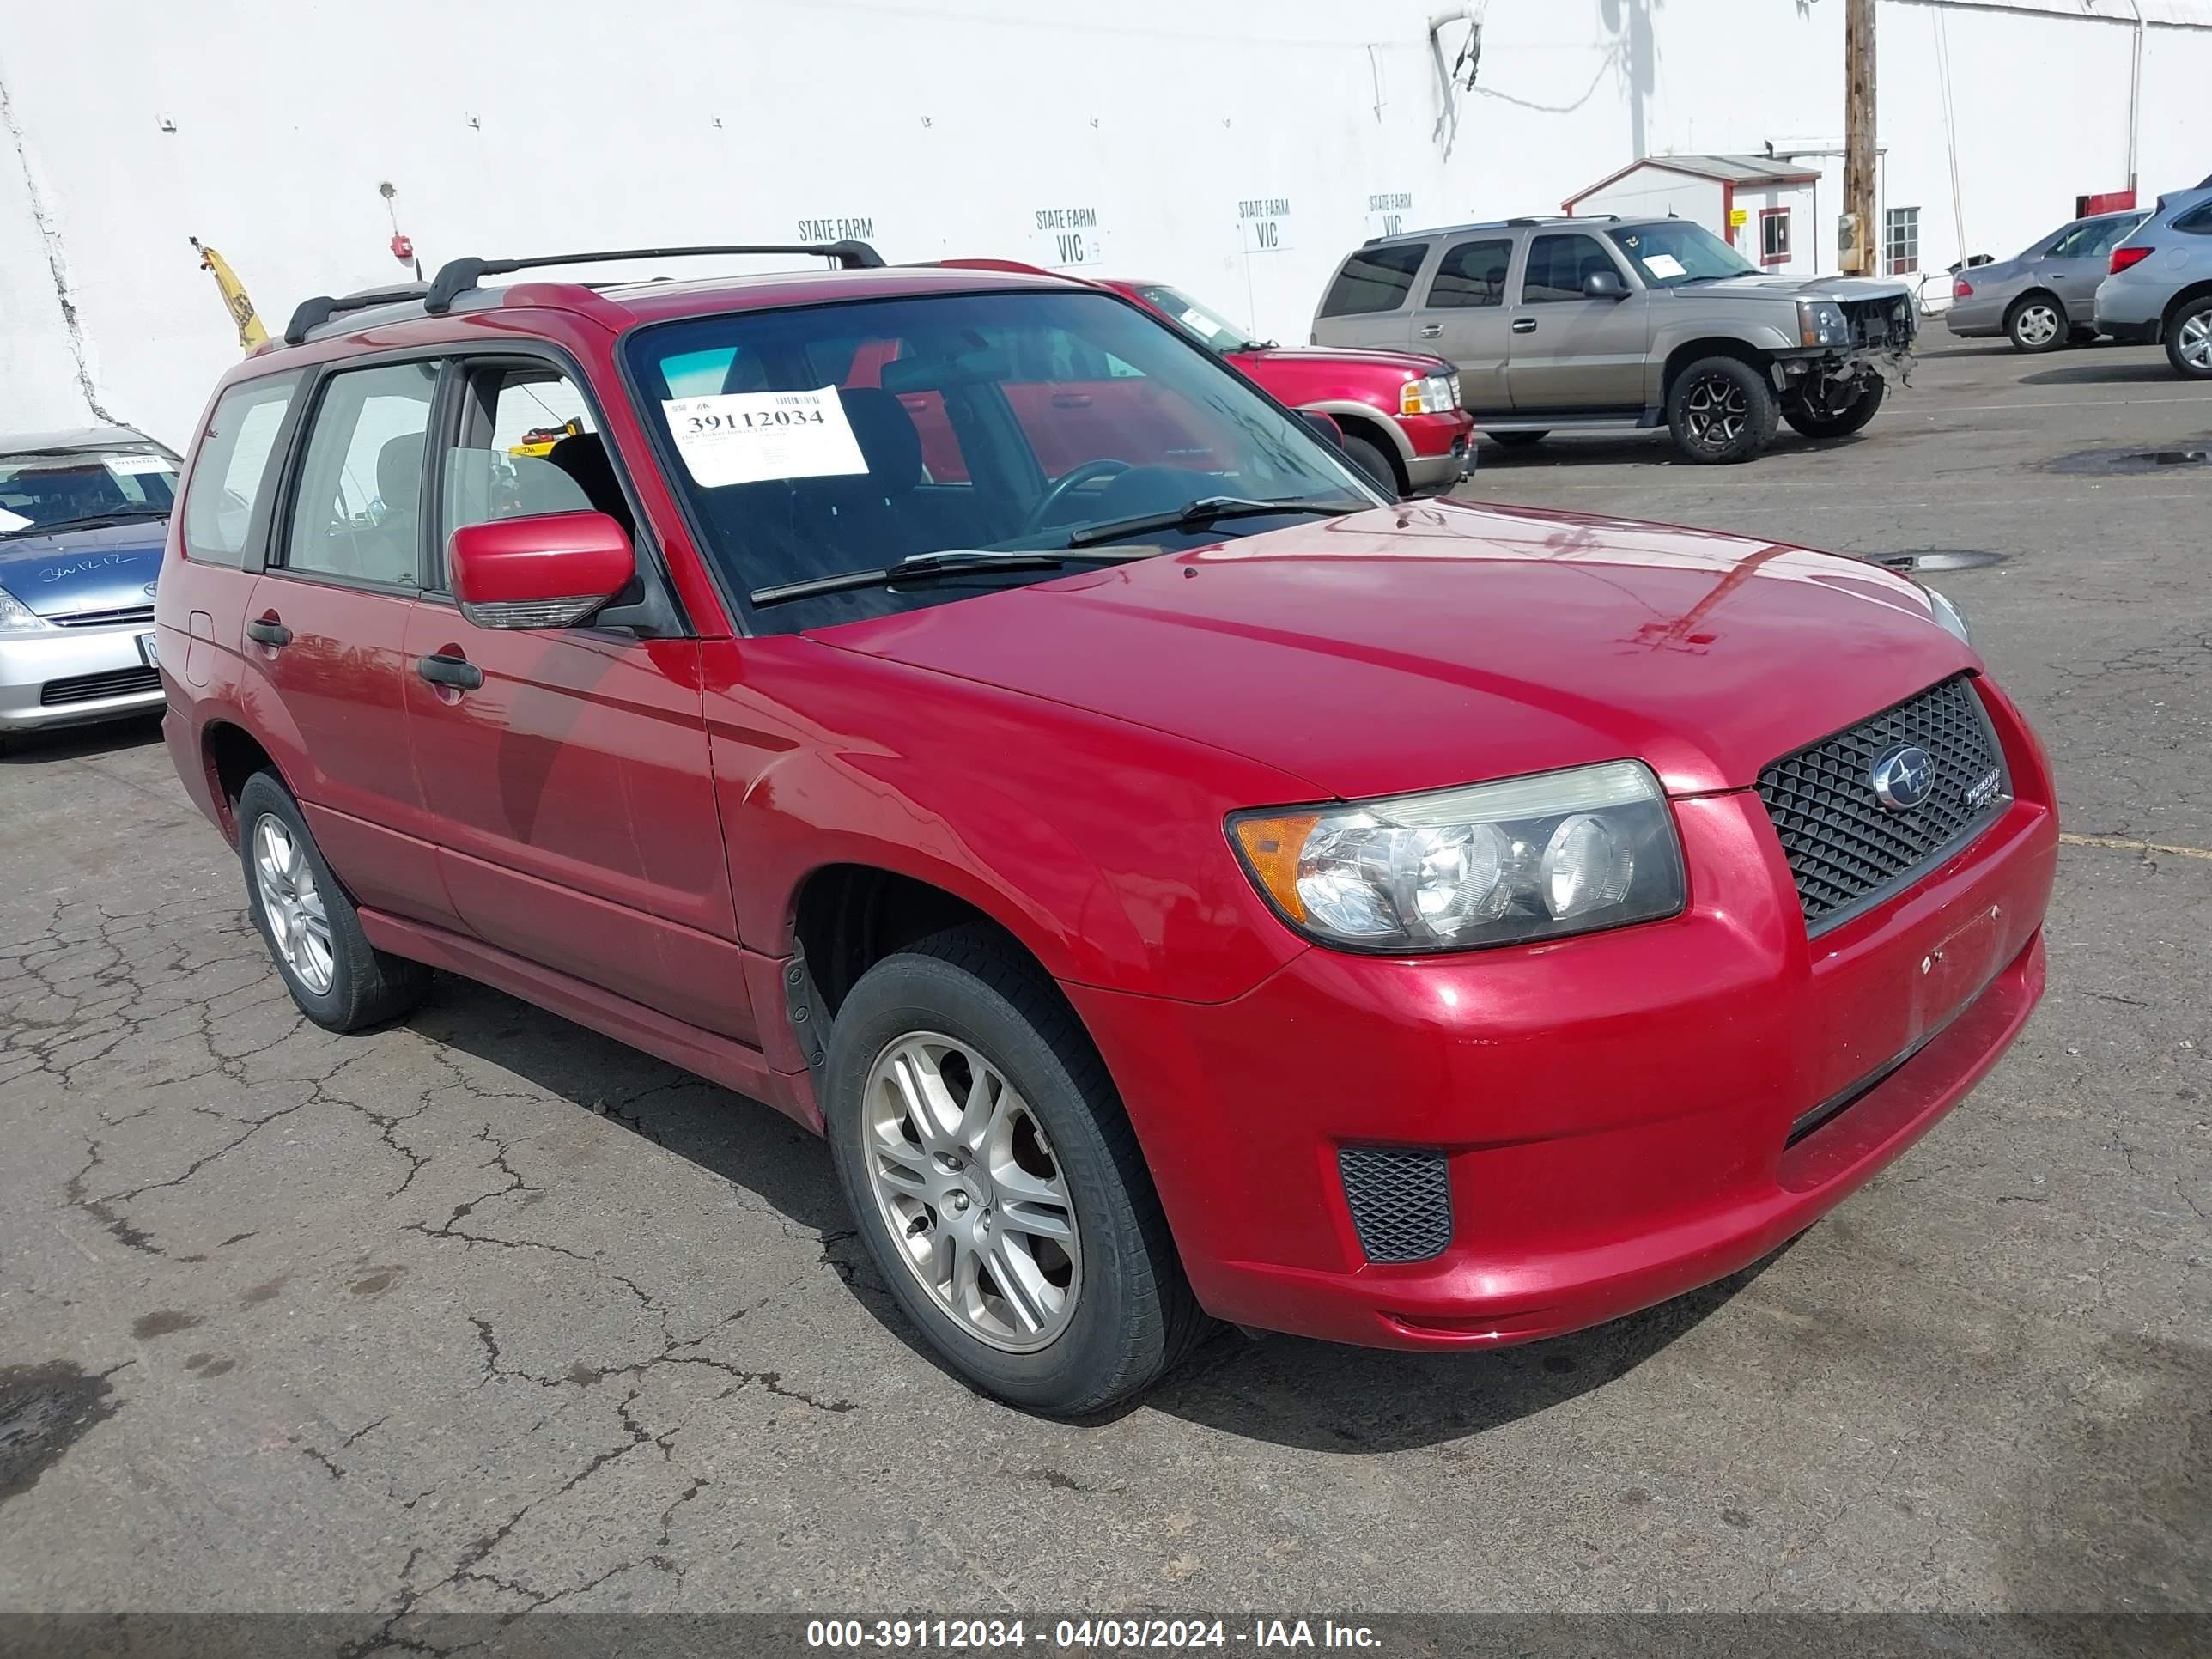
<point x="1083" y="1635"/>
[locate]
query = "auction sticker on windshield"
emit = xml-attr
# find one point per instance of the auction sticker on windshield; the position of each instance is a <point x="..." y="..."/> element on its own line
<point x="1662" y="265"/>
<point x="752" y="437"/>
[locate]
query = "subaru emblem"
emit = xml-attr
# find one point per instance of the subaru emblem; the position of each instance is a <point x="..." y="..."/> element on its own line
<point x="1902" y="777"/>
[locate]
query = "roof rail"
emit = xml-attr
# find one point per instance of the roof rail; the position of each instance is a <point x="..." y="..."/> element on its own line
<point x="313" y="313"/>
<point x="1565" y="218"/>
<point x="456" y="276"/>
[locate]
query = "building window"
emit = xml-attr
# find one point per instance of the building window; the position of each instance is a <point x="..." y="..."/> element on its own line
<point x="1774" y="236"/>
<point x="1900" y="241"/>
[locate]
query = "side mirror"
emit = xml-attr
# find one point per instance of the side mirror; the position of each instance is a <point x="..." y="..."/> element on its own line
<point x="1325" y="427"/>
<point x="549" y="571"/>
<point x="1604" y="285"/>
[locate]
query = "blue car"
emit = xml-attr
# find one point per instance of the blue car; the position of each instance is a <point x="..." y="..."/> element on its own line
<point x="82" y="517"/>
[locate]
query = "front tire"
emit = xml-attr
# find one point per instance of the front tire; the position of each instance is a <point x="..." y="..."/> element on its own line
<point x="2036" y="324"/>
<point x="996" y="1182"/>
<point x="339" y="980"/>
<point x="1721" y="411"/>
<point x="1823" y="420"/>
<point x="1369" y="457"/>
<point x="2189" y="340"/>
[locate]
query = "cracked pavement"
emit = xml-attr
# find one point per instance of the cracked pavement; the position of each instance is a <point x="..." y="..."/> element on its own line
<point x="484" y="1312"/>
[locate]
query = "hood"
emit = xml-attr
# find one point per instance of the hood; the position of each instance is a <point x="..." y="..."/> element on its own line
<point x="1412" y="364"/>
<point x="1429" y="644"/>
<point x="1802" y="288"/>
<point x="105" y="568"/>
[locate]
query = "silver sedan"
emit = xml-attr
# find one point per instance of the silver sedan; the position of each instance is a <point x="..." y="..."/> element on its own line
<point x="2046" y="297"/>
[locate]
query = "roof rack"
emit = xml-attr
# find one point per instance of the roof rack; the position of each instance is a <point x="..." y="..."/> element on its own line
<point x="1563" y="218"/>
<point x="456" y="276"/>
<point x="313" y="313"/>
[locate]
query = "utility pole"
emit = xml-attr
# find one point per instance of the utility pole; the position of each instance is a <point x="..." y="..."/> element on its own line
<point x="1855" y="247"/>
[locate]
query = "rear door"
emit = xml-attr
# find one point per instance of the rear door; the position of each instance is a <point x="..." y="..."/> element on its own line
<point x="1463" y="316"/>
<point x="1570" y="352"/>
<point x="325" y="630"/>
<point x="1077" y="404"/>
<point x="2081" y="260"/>
<point x="1370" y="300"/>
<point x="569" y="790"/>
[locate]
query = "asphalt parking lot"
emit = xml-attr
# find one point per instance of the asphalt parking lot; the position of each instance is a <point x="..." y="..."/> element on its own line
<point x="486" y="1312"/>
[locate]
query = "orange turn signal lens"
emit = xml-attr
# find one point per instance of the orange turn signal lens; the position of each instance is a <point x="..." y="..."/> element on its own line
<point x="1271" y="848"/>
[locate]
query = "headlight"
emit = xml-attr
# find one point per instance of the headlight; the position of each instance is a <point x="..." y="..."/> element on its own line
<point x="16" y="617"/>
<point x="1821" y="323"/>
<point x="1436" y="394"/>
<point x="1948" y="615"/>
<point x="1492" y="864"/>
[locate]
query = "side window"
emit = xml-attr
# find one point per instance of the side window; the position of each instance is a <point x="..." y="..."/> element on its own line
<point x="1472" y="274"/>
<point x="2076" y="243"/>
<point x="358" y="512"/>
<point x="1375" y="279"/>
<point x="232" y="470"/>
<point x="1557" y="265"/>
<point x="2197" y="221"/>
<point x="2116" y="231"/>
<point x="527" y="445"/>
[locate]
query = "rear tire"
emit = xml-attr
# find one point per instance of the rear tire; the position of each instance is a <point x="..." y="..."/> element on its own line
<point x="2189" y="340"/>
<point x="1369" y="457"/>
<point x="1815" y="422"/>
<point x="1032" y="1171"/>
<point x="1517" y="440"/>
<point x="1721" y="411"/>
<point x="339" y="980"/>
<point x="2037" y="322"/>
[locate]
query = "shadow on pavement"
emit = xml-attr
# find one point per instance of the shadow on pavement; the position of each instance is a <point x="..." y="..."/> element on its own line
<point x="2153" y="369"/>
<point x="79" y="742"/>
<point x="1318" y="1396"/>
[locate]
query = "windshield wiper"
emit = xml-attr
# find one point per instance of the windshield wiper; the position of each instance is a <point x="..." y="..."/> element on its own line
<point x="1207" y="509"/>
<point x="93" y="520"/>
<point x="951" y="562"/>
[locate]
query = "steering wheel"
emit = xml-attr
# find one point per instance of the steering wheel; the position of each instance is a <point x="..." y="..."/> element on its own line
<point x="1065" y="485"/>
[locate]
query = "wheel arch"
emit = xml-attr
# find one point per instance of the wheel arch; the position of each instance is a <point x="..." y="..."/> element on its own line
<point x="1361" y="421"/>
<point x="2182" y="300"/>
<point x="231" y="755"/>
<point x="2013" y="307"/>
<point x="1711" y="345"/>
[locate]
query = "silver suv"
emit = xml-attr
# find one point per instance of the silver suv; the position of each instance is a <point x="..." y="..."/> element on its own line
<point x="2161" y="285"/>
<point x="1596" y="323"/>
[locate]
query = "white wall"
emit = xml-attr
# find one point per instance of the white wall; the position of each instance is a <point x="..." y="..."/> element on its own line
<point x="950" y="125"/>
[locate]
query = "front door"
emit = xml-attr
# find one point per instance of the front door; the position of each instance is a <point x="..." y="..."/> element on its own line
<point x="1463" y="316"/>
<point x="325" y="632"/>
<point x="570" y="786"/>
<point x="1570" y="352"/>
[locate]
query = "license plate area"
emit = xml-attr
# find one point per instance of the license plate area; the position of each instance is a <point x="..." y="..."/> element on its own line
<point x="149" y="652"/>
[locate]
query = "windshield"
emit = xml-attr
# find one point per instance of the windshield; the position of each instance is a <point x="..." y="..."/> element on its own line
<point x="824" y="439"/>
<point x="1214" y="330"/>
<point x="1674" y="252"/>
<point x="53" y="489"/>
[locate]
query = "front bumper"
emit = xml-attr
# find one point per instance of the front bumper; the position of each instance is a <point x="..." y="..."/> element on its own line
<point x="1438" y="449"/>
<point x="69" y="676"/>
<point x="1614" y="1112"/>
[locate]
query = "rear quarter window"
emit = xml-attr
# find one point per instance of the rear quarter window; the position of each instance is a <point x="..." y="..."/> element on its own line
<point x="1374" y="279"/>
<point x="232" y="471"/>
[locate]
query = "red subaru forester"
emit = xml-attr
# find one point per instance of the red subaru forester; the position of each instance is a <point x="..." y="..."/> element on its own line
<point x="1177" y="879"/>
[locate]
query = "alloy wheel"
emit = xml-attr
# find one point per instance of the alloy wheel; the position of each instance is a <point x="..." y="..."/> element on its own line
<point x="2194" y="341"/>
<point x="973" y="1194"/>
<point x="1716" y="411"/>
<point x="2037" y="325"/>
<point x="298" y="926"/>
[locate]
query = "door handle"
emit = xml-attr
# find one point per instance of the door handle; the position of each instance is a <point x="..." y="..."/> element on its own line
<point x="1071" y="400"/>
<point x="1430" y="330"/>
<point x="457" y="672"/>
<point x="267" y="630"/>
<point x="1524" y="324"/>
